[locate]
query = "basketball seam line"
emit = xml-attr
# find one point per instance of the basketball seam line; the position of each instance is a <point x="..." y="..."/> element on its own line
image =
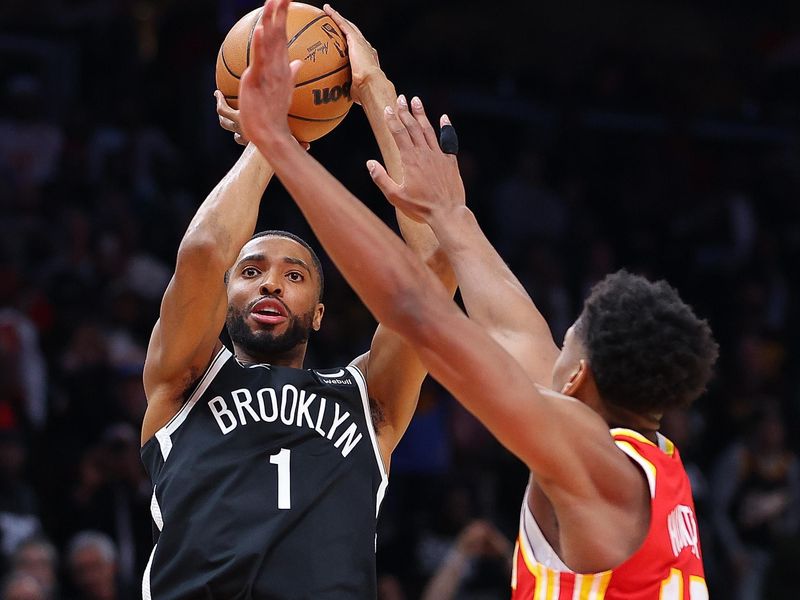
<point x="302" y="83"/>
<point x="317" y="120"/>
<point x="292" y="41"/>
<point x="250" y="37"/>
<point x="306" y="26"/>
<point x="225" y="64"/>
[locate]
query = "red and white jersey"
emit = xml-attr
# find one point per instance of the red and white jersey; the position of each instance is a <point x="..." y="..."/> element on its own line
<point x="668" y="565"/>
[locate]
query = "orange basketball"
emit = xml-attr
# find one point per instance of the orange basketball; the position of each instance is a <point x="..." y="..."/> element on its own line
<point x="322" y="93"/>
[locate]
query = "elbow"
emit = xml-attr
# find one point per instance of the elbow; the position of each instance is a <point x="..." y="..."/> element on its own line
<point x="398" y="313"/>
<point x="202" y="249"/>
<point x="410" y="300"/>
<point x="415" y="314"/>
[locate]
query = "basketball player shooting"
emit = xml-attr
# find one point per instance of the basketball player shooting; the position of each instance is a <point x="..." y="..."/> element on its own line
<point x="267" y="477"/>
<point x="609" y="514"/>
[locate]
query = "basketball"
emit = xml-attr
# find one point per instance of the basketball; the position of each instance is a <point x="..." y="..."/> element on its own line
<point x="322" y="93"/>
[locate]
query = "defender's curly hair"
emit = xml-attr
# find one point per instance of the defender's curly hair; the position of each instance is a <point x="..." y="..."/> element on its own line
<point x="647" y="349"/>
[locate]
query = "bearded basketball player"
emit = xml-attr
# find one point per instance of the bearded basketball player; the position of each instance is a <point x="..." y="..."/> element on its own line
<point x="268" y="477"/>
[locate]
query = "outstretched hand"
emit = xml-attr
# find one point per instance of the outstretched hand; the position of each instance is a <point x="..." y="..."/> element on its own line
<point x="431" y="181"/>
<point x="266" y="88"/>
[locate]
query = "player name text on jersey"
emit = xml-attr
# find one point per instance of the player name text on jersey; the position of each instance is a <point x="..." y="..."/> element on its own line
<point x="292" y="407"/>
<point x="682" y="527"/>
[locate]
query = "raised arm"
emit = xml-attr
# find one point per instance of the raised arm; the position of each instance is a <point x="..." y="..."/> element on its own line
<point x="393" y="370"/>
<point x="192" y="313"/>
<point x="373" y="90"/>
<point x="432" y="192"/>
<point x="404" y="295"/>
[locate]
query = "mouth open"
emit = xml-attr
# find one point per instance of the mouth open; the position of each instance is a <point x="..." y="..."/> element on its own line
<point x="269" y="311"/>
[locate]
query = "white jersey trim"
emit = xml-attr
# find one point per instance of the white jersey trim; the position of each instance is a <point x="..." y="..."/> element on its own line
<point x="146" y="577"/>
<point x="155" y="511"/>
<point x="533" y="541"/>
<point x="336" y="375"/>
<point x="646" y="466"/>
<point x="362" y="387"/>
<point x="164" y="435"/>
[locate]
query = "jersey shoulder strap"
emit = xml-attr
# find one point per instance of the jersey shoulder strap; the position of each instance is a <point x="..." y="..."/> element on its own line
<point x="156" y="450"/>
<point x="651" y="457"/>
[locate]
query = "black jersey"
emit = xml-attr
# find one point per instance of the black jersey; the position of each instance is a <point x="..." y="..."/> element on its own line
<point x="266" y="485"/>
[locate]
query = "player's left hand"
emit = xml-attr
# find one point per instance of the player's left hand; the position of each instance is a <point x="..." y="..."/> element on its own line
<point x="229" y="119"/>
<point x="364" y="62"/>
<point x="267" y="85"/>
<point x="431" y="181"/>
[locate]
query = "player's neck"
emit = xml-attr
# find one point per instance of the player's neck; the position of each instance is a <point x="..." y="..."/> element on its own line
<point x="647" y="424"/>
<point x="293" y="357"/>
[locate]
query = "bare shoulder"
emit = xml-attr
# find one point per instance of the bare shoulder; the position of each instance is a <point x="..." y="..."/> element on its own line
<point x="596" y="512"/>
<point x="604" y="470"/>
<point x="582" y="418"/>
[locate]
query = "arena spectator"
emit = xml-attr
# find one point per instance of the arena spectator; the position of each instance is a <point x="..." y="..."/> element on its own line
<point x="38" y="558"/>
<point x="92" y="561"/>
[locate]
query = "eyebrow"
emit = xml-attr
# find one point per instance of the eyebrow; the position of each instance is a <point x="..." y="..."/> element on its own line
<point x="252" y="258"/>
<point x="297" y="261"/>
<point x="262" y="258"/>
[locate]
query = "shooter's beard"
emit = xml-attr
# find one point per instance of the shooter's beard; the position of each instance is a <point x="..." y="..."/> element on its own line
<point x="263" y="344"/>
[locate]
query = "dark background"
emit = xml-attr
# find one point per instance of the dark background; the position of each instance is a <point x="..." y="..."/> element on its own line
<point x="660" y="136"/>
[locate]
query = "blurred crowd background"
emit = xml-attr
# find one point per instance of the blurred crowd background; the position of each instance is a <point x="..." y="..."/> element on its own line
<point x="660" y="136"/>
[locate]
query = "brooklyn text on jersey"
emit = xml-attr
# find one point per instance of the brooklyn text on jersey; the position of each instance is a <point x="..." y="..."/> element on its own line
<point x="267" y="484"/>
<point x="292" y="407"/>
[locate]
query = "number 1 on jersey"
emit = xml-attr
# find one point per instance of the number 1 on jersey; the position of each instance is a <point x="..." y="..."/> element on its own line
<point x="284" y="478"/>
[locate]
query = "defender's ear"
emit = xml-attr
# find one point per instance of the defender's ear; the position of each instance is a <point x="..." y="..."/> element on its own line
<point x="577" y="379"/>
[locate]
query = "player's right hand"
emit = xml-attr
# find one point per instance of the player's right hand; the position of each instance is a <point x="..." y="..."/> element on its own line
<point x="364" y="62"/>
<point x="431" y="184"/>
<point x="229" y="119"/>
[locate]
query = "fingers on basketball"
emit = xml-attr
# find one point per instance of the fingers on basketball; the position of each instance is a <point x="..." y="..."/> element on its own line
<point x="322" y="89"/>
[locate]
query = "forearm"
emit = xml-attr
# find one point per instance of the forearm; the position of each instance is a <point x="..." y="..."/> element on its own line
<point x="227" y="217"/>
<point x="378" y="93"/>
<point x="483" y="276"/>
<point x="194" y="305"/>
<point x="375" y="262"/>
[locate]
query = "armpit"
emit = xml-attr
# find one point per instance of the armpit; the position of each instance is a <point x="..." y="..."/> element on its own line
<point x="377" y="414"/>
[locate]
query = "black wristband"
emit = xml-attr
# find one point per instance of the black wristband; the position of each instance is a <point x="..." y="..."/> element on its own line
<point x="448" y="140"/>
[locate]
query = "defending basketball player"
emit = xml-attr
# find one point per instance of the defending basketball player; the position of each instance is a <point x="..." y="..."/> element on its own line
<point x="614" y="521"/>
<point x="267" y="477"/>
<point x="607" y="515"/>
